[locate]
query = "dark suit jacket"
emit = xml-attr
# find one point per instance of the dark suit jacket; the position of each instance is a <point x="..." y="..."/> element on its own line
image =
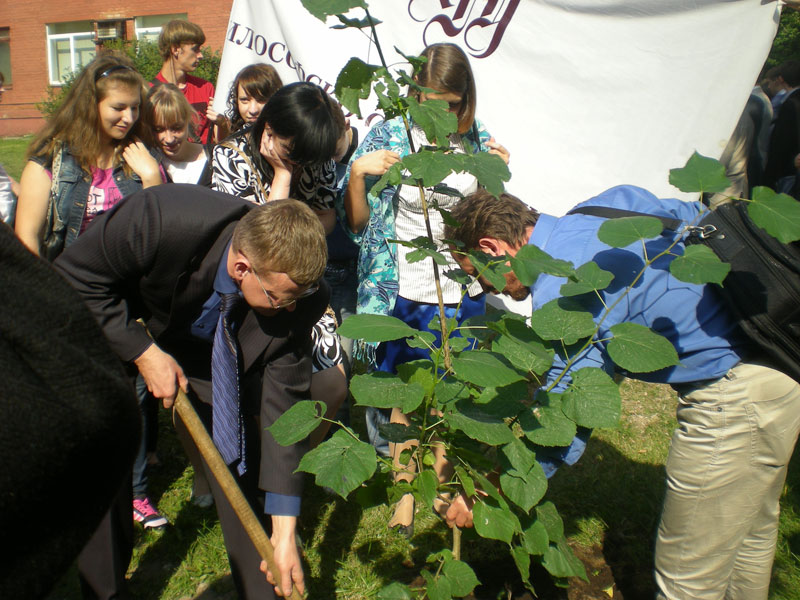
<point x="154" y="256"/>
<point x="784" y="144"/>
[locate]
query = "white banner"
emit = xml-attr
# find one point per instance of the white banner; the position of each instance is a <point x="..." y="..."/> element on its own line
<point x="586" y="94"/>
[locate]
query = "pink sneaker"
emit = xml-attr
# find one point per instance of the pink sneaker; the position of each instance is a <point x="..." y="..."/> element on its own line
<point x="144" y="513"/>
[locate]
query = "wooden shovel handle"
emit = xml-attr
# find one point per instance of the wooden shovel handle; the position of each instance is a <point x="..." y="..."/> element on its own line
<point x="222" y="474"/>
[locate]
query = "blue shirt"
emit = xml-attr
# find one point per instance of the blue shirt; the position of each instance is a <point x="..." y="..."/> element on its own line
<point x="204" y="327"/>
<point x="691" y="316"/>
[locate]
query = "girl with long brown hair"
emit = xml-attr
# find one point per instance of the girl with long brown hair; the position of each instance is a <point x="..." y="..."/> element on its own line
<point x="90" y="154"/>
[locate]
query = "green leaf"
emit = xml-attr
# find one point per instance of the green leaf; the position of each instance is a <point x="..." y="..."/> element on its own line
<point x="415" y="61"/>
<point x="524" y="349"/>
<point x="491" y="268"/>
<point x="459" y="276"/>
<point x="777" y="214"/>
<point x="297" y="422"/>
<point x="519" y="456"/>
<point x="393" y="176"/>
<point x="423" y="253"/>
<point x="639" y="349"/>
<point x="530" y="262"/>
<point x="699" y="265"/>
<point x="478" y="425"/>
<point x="422" y="340"/>
<point x="395" y="591"/>
<point x="458" y="344"/>
<point x="491" y="489"/>
<point x="353" y="84"/>
<point x="435" y="120"/>
<point x="546" y="424"/>
<point x="466" y="480"/>
<point x="588" y="278"/>
<point x="622" y="232"/>
<point x="484" y="369"/>
<point x="426" y="484"/>
<point x="523" y="561"/>
<point x="429" y="167"/>
<point x="373" y="492"/>
<point x="418" y="371"/>
<point x="437" y="588"/>
<point x="384" y="390"/>
<point x="461" y="576"/>
<point x="340" y="463"/>
<point x="441" y="556"/>
<point x="347" y="23"/>
<point x="551" y="322"/>
<point x="547" y="515"/>
<point x="505" y="401"/>
<point x="524" y="489"/>
<point x="326" y="8"/>
<point x="535" y="538"/>
<point x="592" y="399"/>
<point x="489" y="169"/>
<point x="494" y="523"/>
<point x="449" y="390"/>
<point x="701" y="174"/>
<point x="560" y="561"/>
<point x="375" y="328"/>
<point x="398" y="433"/>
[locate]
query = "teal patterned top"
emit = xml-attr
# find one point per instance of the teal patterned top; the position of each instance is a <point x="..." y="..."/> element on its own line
<point x="377" y="259"/>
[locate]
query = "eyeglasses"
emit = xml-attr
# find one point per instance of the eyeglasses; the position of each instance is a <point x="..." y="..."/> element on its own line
<point x="284" y="303"/>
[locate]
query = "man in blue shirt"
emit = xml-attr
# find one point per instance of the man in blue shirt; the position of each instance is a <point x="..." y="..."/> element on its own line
<point x="738" y="420"/>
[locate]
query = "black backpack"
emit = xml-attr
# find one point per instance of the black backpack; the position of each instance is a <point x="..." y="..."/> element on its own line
<point x="762" y="288"/>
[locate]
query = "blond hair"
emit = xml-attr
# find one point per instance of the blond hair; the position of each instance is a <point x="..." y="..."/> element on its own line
<point x="283" y="236"/>
<point x="168" y="106"/>
<point x="176" y="33"/>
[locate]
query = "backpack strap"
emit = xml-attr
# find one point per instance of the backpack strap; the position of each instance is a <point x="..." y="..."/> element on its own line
<point x="607" y="212"/>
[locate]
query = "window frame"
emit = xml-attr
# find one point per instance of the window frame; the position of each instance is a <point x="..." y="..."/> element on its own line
<point x="52" y="38"/>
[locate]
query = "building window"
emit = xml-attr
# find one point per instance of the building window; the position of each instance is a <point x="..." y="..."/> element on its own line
<point x="147" y="28"/>
<point x="5" y="54"/>
<point x="70" y="47"/>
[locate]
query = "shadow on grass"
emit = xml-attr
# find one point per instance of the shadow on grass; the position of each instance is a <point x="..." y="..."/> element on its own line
<point x="626" y="497"/>
<point x="336" y="541"/>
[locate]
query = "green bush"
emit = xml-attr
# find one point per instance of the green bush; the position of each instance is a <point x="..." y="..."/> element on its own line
<point x="786" y="45"/>
<point x="147" y="61"/>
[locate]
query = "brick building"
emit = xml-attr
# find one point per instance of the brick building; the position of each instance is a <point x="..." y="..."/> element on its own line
<point x="42" y="40"/>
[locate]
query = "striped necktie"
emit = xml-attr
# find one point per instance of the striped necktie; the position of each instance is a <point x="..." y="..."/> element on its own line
<point x="228" y="425"/>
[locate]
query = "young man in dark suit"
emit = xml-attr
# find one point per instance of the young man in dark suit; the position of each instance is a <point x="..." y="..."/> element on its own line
<point x="178" y="257"/>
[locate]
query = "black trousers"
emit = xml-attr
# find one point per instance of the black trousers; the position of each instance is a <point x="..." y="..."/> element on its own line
<point x="250" y="582"/>
<point x="104" y="560"/>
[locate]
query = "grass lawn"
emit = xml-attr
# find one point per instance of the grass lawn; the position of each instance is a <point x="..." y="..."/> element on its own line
<point x="12" y="154"/>
<point x="610" y="502"/>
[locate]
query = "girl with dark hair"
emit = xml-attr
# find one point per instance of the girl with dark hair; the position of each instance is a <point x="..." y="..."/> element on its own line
<point x="289" y="153"/>
<point x="90" y="154"/>
<point x="388" y="283"/>
<point x="251" y="89"/>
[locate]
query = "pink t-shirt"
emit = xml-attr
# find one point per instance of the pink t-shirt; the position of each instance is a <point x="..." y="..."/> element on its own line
<point x="103" y="195"/>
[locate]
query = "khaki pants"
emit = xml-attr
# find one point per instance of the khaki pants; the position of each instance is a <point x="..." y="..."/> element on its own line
<point x="725" y="472"/>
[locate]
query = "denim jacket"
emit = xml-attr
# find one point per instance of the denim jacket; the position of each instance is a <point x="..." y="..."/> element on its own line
<point x="72" y="193"/>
